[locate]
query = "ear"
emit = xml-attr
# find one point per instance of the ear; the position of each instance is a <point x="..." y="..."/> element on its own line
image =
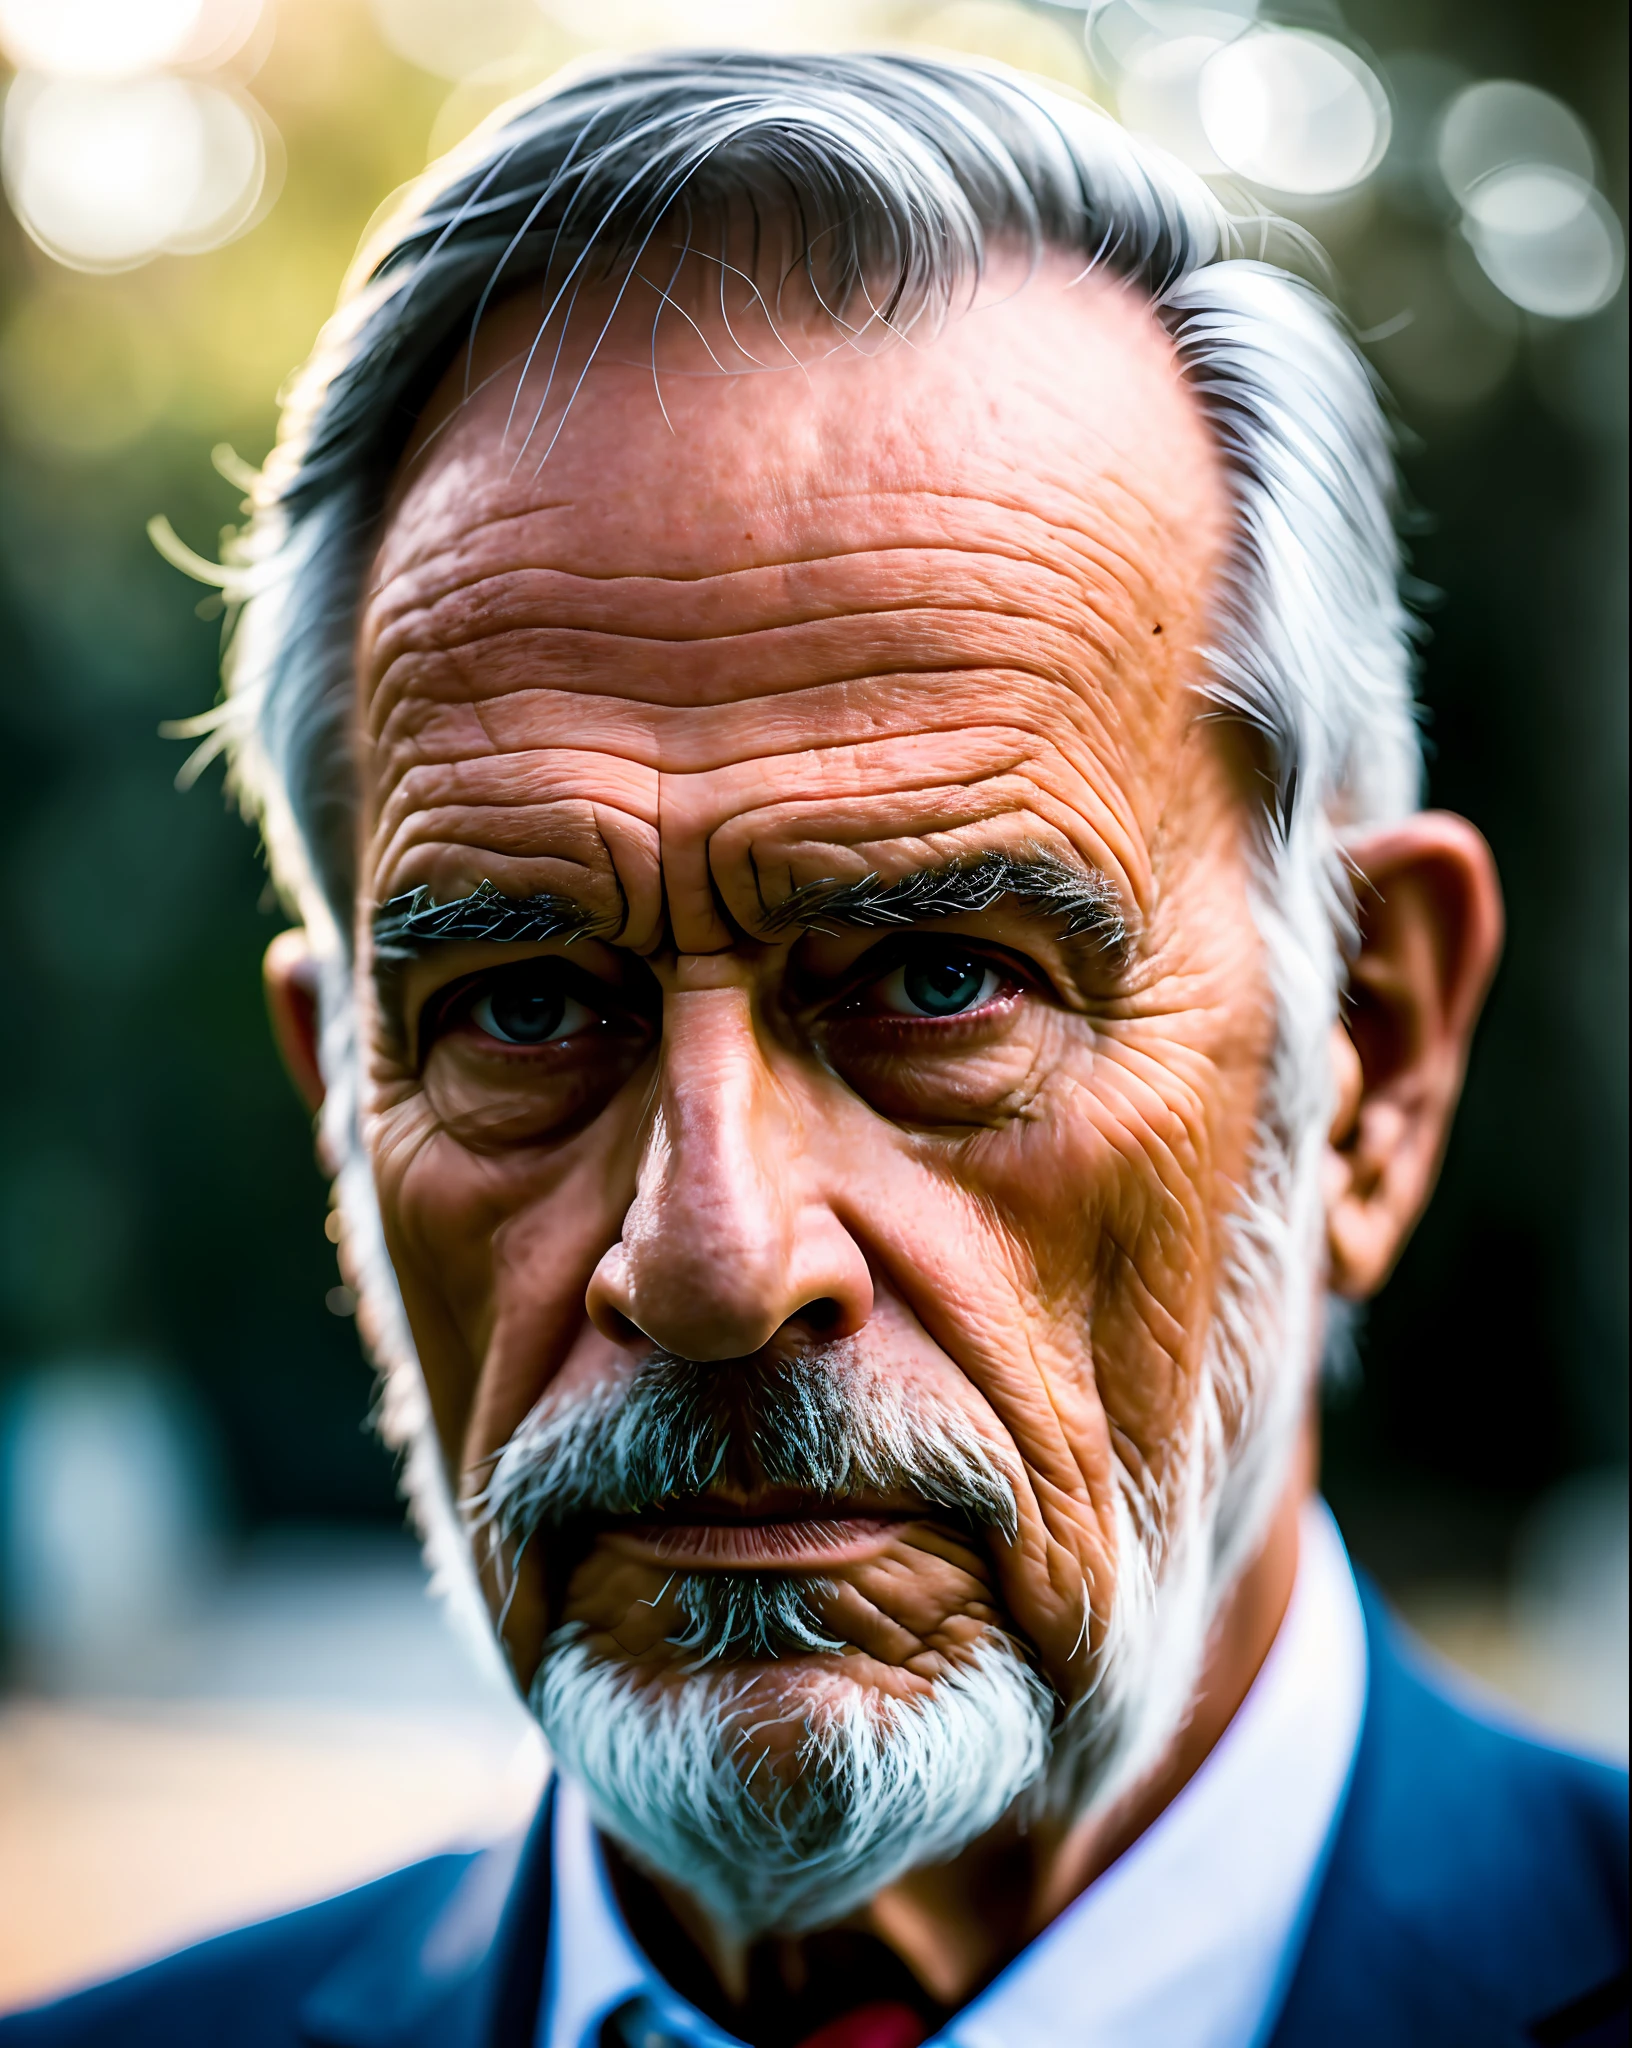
<point x="1430" y="914"/>
<point x="290" y="974"/>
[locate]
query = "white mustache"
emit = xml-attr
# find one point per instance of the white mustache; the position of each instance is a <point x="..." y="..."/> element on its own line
<point x="819" y="1423"/>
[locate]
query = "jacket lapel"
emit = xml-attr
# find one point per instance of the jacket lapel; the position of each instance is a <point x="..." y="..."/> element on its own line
<point x="458" y="1966"/>
<point x="1453" y="1909"/>
<point x="1366" y="1978"/>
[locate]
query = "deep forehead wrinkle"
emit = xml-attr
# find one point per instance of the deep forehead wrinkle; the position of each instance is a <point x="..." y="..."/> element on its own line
<point x="516" y="634"/>
<point x="758" y="487"/>
<point x="1041" y="541"/>
<point x="1055" y="545"/>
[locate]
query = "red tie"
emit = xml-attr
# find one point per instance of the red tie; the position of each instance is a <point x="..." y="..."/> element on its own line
<point x="883" y="2024"/>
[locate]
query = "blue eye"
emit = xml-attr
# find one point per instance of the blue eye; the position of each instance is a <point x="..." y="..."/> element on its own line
<point x="939" y="985"/>
<point x="529" y="1010"/>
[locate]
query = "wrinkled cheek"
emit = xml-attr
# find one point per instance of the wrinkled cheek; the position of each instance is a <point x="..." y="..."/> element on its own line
<point x="494" y="1255"/>
<point x="443" y="1272"/>
<point x="1009" y="1263"/>
<point x="1147" y="1334"/>
<point x="1107" y="1202"/>
<point x="437" y="1253"/>
<point x="1148" y="1246"/>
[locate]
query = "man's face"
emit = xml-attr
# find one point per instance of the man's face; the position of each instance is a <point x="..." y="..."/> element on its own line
<point x="924" y="608"/>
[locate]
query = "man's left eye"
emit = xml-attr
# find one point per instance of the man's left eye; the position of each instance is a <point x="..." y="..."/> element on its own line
<point x="938" y="985"/>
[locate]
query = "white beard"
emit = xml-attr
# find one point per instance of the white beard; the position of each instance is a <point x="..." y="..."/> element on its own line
<point x="883" y="1785"/>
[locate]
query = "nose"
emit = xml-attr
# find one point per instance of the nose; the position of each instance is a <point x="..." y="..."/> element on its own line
<point x="729" y="1238"/>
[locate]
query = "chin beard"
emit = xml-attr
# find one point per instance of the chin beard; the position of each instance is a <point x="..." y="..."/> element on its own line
<point x="877" y="1786"/>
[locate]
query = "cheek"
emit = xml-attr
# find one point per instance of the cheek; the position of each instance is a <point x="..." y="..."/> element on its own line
<point x="493" y="1252"/>
<point x="1153" y="1255"/>
<point x="1102" y="1191"/>
<point x="1070" y="1273"/>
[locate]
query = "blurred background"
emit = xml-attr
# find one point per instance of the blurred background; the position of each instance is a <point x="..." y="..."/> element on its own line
<point x="226" y="1690"/>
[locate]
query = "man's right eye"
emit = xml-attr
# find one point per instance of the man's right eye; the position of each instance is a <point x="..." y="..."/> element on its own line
<point x="544" y="1004"/>
<point x="530" y="1010"/>
<point x="520" y="1053"/>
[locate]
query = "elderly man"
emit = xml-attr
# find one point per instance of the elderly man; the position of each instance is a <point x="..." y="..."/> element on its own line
<point x="820" y="659"/>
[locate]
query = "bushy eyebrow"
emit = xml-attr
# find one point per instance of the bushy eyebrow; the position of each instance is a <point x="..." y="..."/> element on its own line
<point x="1086" y="903"/>
<point x="407" y="925"/>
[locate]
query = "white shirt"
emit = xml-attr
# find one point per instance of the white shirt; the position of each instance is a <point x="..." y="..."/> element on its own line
<point x="1189" y="1939"/>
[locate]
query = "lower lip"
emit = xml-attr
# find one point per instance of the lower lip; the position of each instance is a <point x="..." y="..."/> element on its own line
<point x="759" y="1546"/>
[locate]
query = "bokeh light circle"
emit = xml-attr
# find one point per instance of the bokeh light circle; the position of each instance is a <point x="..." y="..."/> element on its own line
<point x="1158" y="96"/>
<point x="104" y="174"/>
<point x="1546" y="239"/>
<point x="97" y="38"/>
<point x="224" y="28"/>
<point x="100" y="173"/>
<point x="1498" y="123"/>
<point x="454" y="38"/>
<point x="1293" y="111"/>
<point x="232" y="180"/>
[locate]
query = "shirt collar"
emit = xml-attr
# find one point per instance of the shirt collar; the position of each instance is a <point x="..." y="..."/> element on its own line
<point x="1188" y="1939"/>
<point x="594" y="1965"/>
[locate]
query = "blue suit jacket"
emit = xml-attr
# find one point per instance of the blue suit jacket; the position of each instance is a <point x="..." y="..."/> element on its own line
<point x="1475" y="1897"/>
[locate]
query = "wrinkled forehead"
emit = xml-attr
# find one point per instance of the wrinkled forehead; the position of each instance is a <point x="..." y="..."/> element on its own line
<point x="679" y="538"/>
<point x="681" y="424"/>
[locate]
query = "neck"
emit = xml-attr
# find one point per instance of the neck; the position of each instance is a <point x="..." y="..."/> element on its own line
<point x="953" y="1927"/>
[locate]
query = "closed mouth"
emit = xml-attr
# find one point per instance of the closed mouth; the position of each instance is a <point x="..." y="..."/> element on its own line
<point x="762" y="1533"/>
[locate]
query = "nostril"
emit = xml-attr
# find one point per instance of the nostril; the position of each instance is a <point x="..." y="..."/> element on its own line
<point x="613" y="1323"/>
<point x="822" y="1316"/>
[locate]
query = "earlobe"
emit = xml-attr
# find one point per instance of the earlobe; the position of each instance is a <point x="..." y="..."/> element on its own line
<point x="1430" y="918"/>
<point x="290" y="976"/>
